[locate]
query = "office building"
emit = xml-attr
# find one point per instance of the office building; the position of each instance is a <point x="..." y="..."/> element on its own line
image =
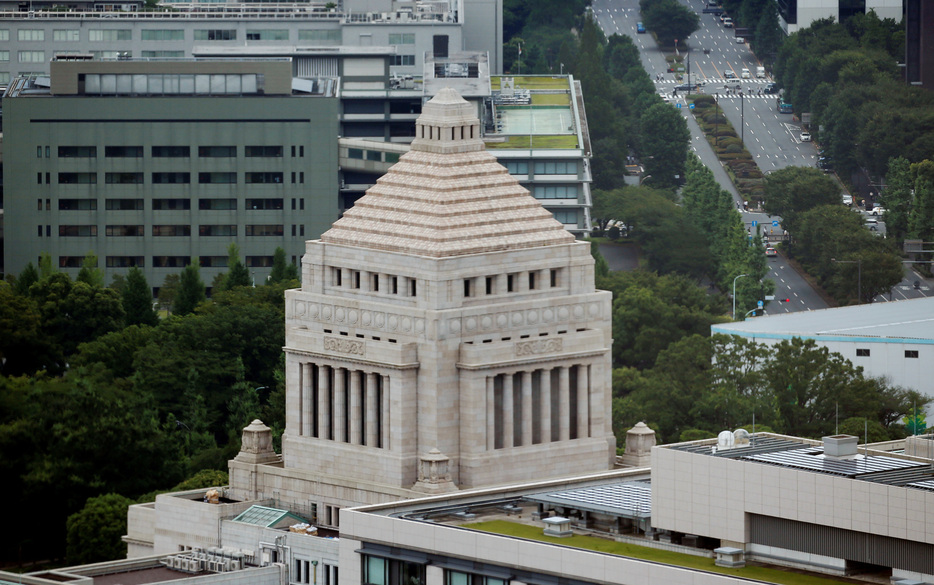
<point x="794" y="15"/>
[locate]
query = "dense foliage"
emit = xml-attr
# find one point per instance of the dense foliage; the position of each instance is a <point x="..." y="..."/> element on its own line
<point x="98" y="396"/>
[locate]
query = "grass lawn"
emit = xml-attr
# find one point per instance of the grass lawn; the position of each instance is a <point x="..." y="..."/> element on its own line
<point x="772" y="575"/>
<point x="551" y="99"/>
<point x="559" y="141"/>
<point x="533" y="82"/>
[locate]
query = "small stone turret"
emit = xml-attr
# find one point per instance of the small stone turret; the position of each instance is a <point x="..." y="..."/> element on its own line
<point x="256" y="444"/>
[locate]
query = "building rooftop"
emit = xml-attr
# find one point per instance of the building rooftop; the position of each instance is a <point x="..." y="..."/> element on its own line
<point x="909" y="321"/>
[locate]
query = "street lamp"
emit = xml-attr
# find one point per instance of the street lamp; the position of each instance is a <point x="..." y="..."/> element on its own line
<point x="859" y="276"/>
<point x="734" y="294"/>
<point x="742" y="118"/>
<point x="644" y="179"/>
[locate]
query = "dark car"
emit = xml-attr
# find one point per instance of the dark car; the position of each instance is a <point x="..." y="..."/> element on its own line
<point x="686" y="87"/>
<point x="770" y="88"/>
<point x="640" y="28"/>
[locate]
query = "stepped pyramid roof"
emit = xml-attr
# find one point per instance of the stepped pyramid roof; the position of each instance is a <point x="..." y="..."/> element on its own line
<point x="447" y="196"/>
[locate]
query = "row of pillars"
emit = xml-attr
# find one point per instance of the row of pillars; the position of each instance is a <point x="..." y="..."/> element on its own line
<point x="340" y="404"/>
<point x="539" y="406"/>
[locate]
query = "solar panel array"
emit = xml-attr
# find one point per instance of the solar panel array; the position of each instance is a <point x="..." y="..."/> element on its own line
<point x="631" y="499"/>
<point x="812" y="460"/>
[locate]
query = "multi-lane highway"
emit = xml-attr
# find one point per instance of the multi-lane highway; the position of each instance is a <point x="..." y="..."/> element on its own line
<point x="774" y="139"/>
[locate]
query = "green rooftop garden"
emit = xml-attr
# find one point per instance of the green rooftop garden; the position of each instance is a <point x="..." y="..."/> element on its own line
<point x="532" y="82"/>
<point x="624" y="549"/>
<point x="545" y="141"/>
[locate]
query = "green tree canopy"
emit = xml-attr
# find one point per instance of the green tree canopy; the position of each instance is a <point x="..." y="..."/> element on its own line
<point x="137" y="299"/>
<point x="793" y="190"/>
<point x="669" y="20"/>
<point x="190" y="291"/>
<point x="95" y="532"/>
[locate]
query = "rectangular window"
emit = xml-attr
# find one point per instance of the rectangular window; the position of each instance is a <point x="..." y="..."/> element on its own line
<point x="278" y="34"/>
<point x="4" y="77"/>
<point x="123" y="178"/>
<point x="173" y="34"/>
<point x="217" y="151"/>
<point x="258" y="261"/>
<point x="392" y="157"/>
<point x="555" y="167"/>
<point x="171" y="261"/>
<point x="30" y="34"/>
<point x="565" y="216"/>
<point x="4" y="34"/>
<point x="70" y="261"/>
<point x="171" y="230"/>
<point x="75" y="204"/>
<point x="555" y="191"/>
<point x="217" y="204"/>
<point x="171" y="151"/>
<point x="125" y="230"/>
<point x="402" y="60"/>
<point x="257" y="178"/>
<point x="170" y="178"/>
<point x="4" y="55"/>
<point x="264" y="230"/>
<point x="77" y="231"/>
<point x="124" y="204"/>
<point x="216" y="35"/>
<point x="217" y="178"/>
<point x="467" y="284"/>
<point x="375" y="570"/>
<point x="171" y="204"/>
<point x="531" y="281"/>
<point x="911" y="353"/>
<point x="31" y="56"/>
<point x="264" y="203"/>
<point x="125" y="261"/>
<point x="356" y="153"/>
<point x="374" y="155"/>
<point x="401" y="38"/>
<point x="77" y="178"/>
<point x="162" y="54"/>
<point x="489" y="284"/>
<point x="123" y="151"/>
<point x="109" y="35"/>
<point x="862" y="353"/>
<point x="320" y="35"/>
<point x="217" y="230"/>
<point x="554" y="277"/>
<point x="263" y="151"/>
<point x="77" y="152"/>
<point x="213" y="261"/>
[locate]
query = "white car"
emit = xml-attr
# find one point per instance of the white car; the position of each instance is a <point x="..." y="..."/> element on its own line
<point x="805" y="136"/>
<point x="745" y="73"/>
<point x="729" y="74"/>
<point x="847" y="199"/>
<point x="728" y="22"/>
<point x="739" y="40"/>
<point x="877" y="211"/>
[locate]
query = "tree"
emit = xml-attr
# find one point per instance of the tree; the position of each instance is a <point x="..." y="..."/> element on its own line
<point x="794" y="190"/>
<point x="137" y="300"/>
<point x="23" y="346"/>
<point x="278" y="273"/>
<point x="95" y="532"/>
<point x="168" y="292"/>
<point x="669" y="20"/>
<point x="896" y="198"/>
<point x="25" y="279"/>
<point x="190" y="291"/>
<point x="664" y="144"/>
<point x="237" y="275"/>
<point x="89" y="272"/>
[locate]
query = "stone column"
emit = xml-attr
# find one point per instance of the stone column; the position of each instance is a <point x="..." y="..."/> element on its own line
<point x="509" y="432"/>
<point x="340" y="414"/>
<point x="356" y="409"/>
<point x="384" y="411"/>
<point x="372" y="427"/>
<point x="324" y="403"/>
<point x="307" y="411"/>
<point x="564" y="404"/>
<point x="545" y="397"/>
<point x="583" y="402"/>
<point x="526" y="421"/>
<point x="490" y="413"/>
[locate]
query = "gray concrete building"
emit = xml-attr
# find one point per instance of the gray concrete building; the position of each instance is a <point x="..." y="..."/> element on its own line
<point x="152" y="164"/>
<point x="32" y="36"/>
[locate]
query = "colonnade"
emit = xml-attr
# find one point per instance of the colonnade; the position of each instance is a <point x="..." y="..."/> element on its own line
<point x="537" y="406"/>
<point x="345" y="405"/>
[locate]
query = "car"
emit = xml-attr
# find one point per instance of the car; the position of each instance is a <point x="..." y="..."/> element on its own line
<point x="770" y="88"/>
<point x="723" y="16"/>
<point x="640" y="28"/>
<point x="770" y="251"/>
<point x="728" y="22"/>
<point x="745" y="73"/>
<point x="877" y="211"/>
<point x="729" y="74"/>
<point x="740" y="40"/>
<point x="805" y="136"/>
<point x="872" y="223"/>
<point x="686" y="87"/>
<point x="847" y="199"/>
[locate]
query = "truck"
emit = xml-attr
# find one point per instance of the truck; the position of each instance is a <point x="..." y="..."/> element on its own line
<point x="760" y="71"/>
<point x="783" y="106"/>
<point x="713" y="8"/>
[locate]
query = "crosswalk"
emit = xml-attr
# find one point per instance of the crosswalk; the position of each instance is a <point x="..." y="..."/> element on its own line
<point x="713" y="81"/>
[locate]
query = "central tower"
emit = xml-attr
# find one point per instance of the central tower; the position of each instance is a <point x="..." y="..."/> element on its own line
<point x="447" y="334"/>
